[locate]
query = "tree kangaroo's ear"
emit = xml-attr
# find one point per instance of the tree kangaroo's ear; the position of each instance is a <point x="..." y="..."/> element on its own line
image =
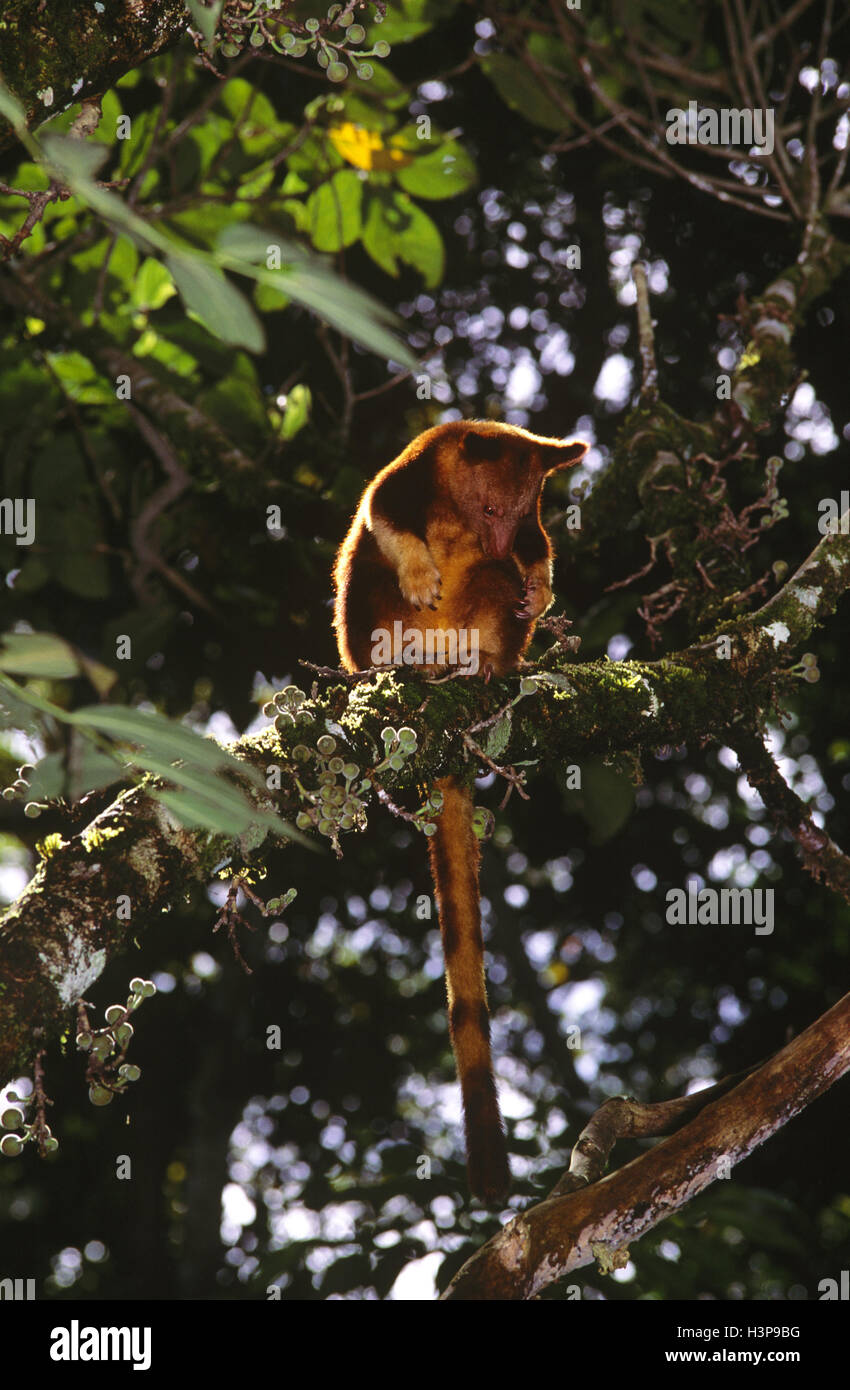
<point x="563" y="455"/>
<point x="487" y="448"/>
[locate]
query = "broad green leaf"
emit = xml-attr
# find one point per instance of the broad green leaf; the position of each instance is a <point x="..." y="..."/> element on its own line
<point x="247" y="241"/>
<point x="162" y="736"/>
<point x="77" y="158"/>
<point x="309" y="281"/>
<point x="65" y="160"/>
<point x="356" y="314"/>
<point x="416" y="239"/>
<point x="205" y="17"/>
<point x="46" y="657"/>
<point x="11" y="108"/>
<point x="175" y="358"/>
<point x="37" y="654"/>
<point x="607" y="800"/>
<point x="498" y="736"/>
<point x="409" y="19"/>
<point x="92" y="770"/>
<point x="31" y="177"/>
<point x="123" y="259"/>
<point x="160" y="743"/>
<point x="244" y="101"/>
<point x="221" y="308"/>
<point x="441" y="173"/>
<point x="333" y="211"/>
<point x="48" y="779"/>
<point x="15" y="711"/>
<point x="79" y="569"/>
<point x="297" y="412"/>
<point x="260" y="131"/>
<point x="204" y="782"/>
<point x="153" y="285"/>
<point x="72" y="368"/>
<point x="269" y="301"/>
<point x="551" y="52"/>
<point x="520" y="90"/>
<point x="238" y="407"/>
<point x="378" y="237"/>
<point x="86" y="770"/>
<point x="202" y="812"/>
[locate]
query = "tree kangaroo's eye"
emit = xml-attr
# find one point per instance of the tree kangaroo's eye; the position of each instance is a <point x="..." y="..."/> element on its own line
<point x="489" y="511"/>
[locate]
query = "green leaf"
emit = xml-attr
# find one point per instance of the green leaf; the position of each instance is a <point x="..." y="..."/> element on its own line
<point x="408" y="19"/>
<point x="162" y="736"/>
<point x="356" y="314"/>
<point x="245" y="240"/>
<point x="201" y="812"/>
<point x="11" y="108"/>
<point x="255" y="120"/>
<point x="79" y="159"/>
<point x="268" y="300"/>
<point x="203" y="782"/>
<point x="66" y="162"/>
<point x="45" y="657"/>
<point x="86" y="770"/>
<point x="417" y="239"/>
<point x="160" y="743"/>
<point x="378" y="238"/>
<point x="607" y="801"/>
<point x="38" y="654"/>
<point x="498" y="736"/>
<point x="243" y="101"/>
<point x="520" y="90"/>
<point x="207" y="292"/>
<point x="48" y="779"/>
<point x="205" y="18"/>
<point x="309" y="281"/>
<point x="153" y="285"/>
<point x="298" y="405"/>
<point x="333" y="211"/>
<point x="91" y="770"/>
<point x="78" y="568"/>
<point x="441" y="173"/>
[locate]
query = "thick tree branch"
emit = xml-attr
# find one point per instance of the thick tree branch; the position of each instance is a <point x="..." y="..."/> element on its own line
<point x="601" y="1221"/>
<point x="55" y="941"/>
<point x="58" y="53"/>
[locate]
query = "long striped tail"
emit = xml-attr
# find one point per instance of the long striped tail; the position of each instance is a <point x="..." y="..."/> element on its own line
<point x="454" y="855"/>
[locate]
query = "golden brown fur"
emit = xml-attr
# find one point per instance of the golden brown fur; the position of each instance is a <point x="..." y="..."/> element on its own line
<point x="448" y="538"/>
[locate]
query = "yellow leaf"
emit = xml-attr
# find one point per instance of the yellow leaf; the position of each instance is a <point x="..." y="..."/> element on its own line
<point x="365" y="149"/>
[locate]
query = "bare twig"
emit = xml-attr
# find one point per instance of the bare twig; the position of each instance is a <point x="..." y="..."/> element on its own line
<point x="646" y="337"/>
<point x="820" y="855"/>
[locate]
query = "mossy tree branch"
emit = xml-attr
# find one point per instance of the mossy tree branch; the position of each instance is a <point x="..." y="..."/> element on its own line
<point x="56" y="939"/>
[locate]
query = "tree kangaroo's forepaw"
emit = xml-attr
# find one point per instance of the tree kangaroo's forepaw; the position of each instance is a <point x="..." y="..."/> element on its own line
<point x="536" y="598"/>
<point x="419" y="582"/>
